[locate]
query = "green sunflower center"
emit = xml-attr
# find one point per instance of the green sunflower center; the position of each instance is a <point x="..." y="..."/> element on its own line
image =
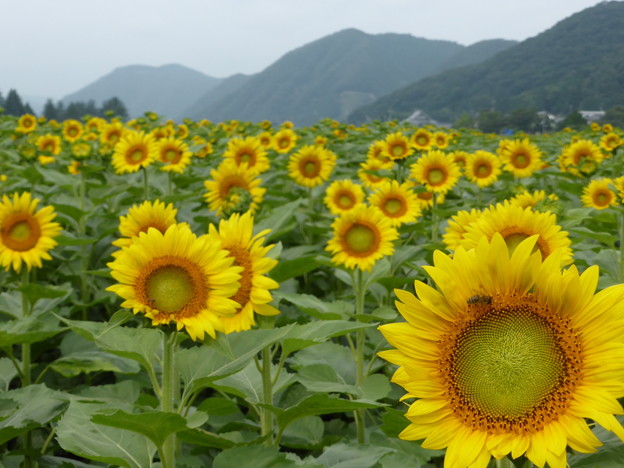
<point x="136" y="155"/>
<point x="345" y="201"/>
<point x="245" y="158"/>
<point x="21" y="232"/>
<point x="508" y="361"/>
<point x="394" y="206"/>
<point x="360" y="238"/>
<point x="311" y="168"/>
<point x="483" y="170"/>
<point x="436" y="176"/>
<point x="170" y="288"/>
<point x="170" y="155"/>
<point x="397" y="150"/>
<point x="521" y="160"/>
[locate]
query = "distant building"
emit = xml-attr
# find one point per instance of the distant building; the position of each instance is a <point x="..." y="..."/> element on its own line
<point x="419" y="118"/>
<point x="592" y="116"/>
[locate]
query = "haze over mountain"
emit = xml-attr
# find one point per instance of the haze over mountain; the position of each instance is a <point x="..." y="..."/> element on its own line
<point x="576" y="64"/>
<point x="167" y="90"/>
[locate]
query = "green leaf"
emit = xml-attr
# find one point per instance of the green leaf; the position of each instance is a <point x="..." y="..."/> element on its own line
<point x="127" y="391"/>
<point x="279" y="221"/>
<point x="26" y="415"/>
<point x="306" y="432"/>
<point x="155" y="425"/>
<point x="78" y="434"/>
<point x="311" y="305"/>
<point x="323" y="378"/>
<point x="93" y="361"/>
<point x="29" y="330"/>
<point x="610" y="455"/>
<point x="7" y="373"/>
<point x="343" y="455"/>
<point x="302" y="336"/>
<point x="393" y="422"/>
<point x="198" y="437"/>
<point x="287" y="269"/>
<point x="375" y="387"/>
<point x="262" y="456"/>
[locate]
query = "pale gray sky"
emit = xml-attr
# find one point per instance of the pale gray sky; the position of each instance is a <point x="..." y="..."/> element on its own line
<point x="52" y="48"/>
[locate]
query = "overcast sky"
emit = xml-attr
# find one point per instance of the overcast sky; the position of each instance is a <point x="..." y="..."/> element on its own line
<point x="51" y="48"/>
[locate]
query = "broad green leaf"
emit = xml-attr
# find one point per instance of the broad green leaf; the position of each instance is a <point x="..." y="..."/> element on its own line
<point x="610" y="455"/>
<point x="306" y="432"/>
<point x="29" y="330"/>
<point x="26" y="415"/>
<point x="313" y="306"/>
<point x="261" y="455"/>
<point x="287" y="269"/>
<point x="375" y="387"/>
<point x="157" y="426"/>
<point x="78" y="434"/>
<point x="343" y="455"/>
<point x="127" y="391"/>
<point x="279" y="221"/>
<point x="302" y="336"/>
<point x="198" y="437"/>
<point x="93" y="361"/>
<point x="7" y="373"/>
<point x="323" y="378"/>
<point x="330" y="354"/>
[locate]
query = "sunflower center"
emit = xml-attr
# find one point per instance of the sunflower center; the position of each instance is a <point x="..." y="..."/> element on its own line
<point x="21" y="232"/>
<point x="171" y="155"/>
<point x="310" y="168"/>
<point x="345" y="201"/>
<point x="483" y="170"/>
<point x="602" y="198"/>
<point x="72" y="131"/>
<point x="436" y="176"/>
<point x="360" y="238"/>
<point x="394" y="206"/>
<point x="136" y="155"/>
<point x="397" y="150"/>
<point x="422" y="140"/>
<point x="245" y="158"/>
<point x="514" y="235"/>
<point x="283" y="143"/>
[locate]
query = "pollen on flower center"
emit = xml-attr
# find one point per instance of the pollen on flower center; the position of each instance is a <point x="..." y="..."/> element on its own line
<point x="394" y="206"/>
<point x="360" y="238"/>
<point x="436" y="176"/>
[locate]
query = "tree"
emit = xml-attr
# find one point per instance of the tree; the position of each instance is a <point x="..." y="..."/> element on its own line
<point x="50" y="111"/>
<point x="614" y="116"/>
<point x="1" y="100"/>
<point x="524" y="119"/>
<point x="115" y="106"/>
<point x="13" y="104"/>
<point x="491" y="121"/>
<point x="573" y="120"/>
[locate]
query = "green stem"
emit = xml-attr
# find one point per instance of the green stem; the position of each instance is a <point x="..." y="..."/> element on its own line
<point x="145" y="184"/>
<point x="169" y="183"/>
<point x="26" y="366"/>
<point x="84" y="260"/>
<point x="434" y="219"/>
<point x="167" y="455"/>
<point x="360" y="342"/>
<point x="266" y="416"/>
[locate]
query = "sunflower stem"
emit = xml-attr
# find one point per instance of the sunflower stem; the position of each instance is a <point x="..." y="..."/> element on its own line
<point x="26" y="366"/>
<point x="434" y="219"/>
<point x="84" y="258"/>
<point x="145" y="184"/>
<point x="169" y="183"/>
<point x="266" y="417"/>
<point x="360" y="341"/>
<point x="169" y="384"/>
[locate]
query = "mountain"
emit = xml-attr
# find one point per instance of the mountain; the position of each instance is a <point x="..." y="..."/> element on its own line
<point x="333" y="75"/>
<point x="576" y="64"/>
<point x="210" y="97"/>
<point x="167" y="90"/>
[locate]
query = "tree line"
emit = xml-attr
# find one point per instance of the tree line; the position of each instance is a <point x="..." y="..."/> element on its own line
<point x="14" y="105"/>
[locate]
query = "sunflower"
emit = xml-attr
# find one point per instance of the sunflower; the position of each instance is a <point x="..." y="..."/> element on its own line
<point x="533" y="199"/>
<point x="95" y="124"/>
<point x="284" y="140"/>
<point x="515" y="224"/>
<point x="182" y="131"/>
<point x="248" y="151"/>
<point x="112" y="133"/>
<point x="50" y="144"/>
<point x="26" y="123"/>
<point x="396" y="201"/>
<point x="45" y="160"/>
<point x="580" y="157"/>
<point x="133" y="151"/>
<point x="541" y="338"/>
<point x="26" y="235"/>
<point x="361" y="237"/>
<point x="521" y="157"/>
<point x="482" y="168"/>
<point x="72" y="130"/>
<point x="74" y="168"/>
<point x="397" y="146"/>
<point x="266" y="140"/>
<point x="81" y="149"/>
<point x="607" y="128"/>
<point x="233" y="189"/>
<point x="141" y="217"/>
<point x="436" y="171"/>
<point x="457" y="227"/>
<point x="610" y="141"/>
<point x="422" y="140"/>
<point x="236" y="237"/>
<point x="174" y="153"/>
<point x="598" y="194"/>
<point x="177" y="277"/>
<point x="376" y="151"/>
<point x="440" y="140"/>
<point x="369" y="172"/>
<point x="459" y="157"/>
<point x="343" y="195"/>
<point x="311" y="165"/>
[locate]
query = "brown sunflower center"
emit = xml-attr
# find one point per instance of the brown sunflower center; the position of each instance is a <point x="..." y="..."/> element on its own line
<point x="520" y="160"/>
<point x="514" y="235"/>
<point x="397" y="150"/>
<point x="72" y="131"/>
<point x="283" y="142"/>
<point x="361" y="239"/>
<point x="483" y="170"/>
<point x="511" y="365"/>
<point x="436" y="176"/>
<point x="171" y="155"/>
<point x="136" y="154"/>
<point x="310" y="167"/>
<point x="21" y="232"/>
<point x="245" y="158"/>
<point x="422" y="140"/>
<point x="602" y="198"/>
<point x="345" y="200"/>
<point x="394" y="206"/>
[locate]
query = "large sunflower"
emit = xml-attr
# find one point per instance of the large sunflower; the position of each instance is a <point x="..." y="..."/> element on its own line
<point x="482" y="168"/>
<point x="580" y="157"/>
<point x="599" y="195"/>
<point x="26" y="235"/>
<point x="233" y="189"/>
<point x="422" y="140"/>
<point x="509" y="356"/>
<point x="436" y="171"/>
<point x="173" y="153"/>
<point x="343" y="195"/>
<point x="361" y="237"/>
<point x="611" y="141"/>
<point x="311" y="165"/>
<point x="515" y="224"/>
<point x="248" y="151"/>
<point x="236" y="236"/>
<point x="521" y="157"/>
<point x="134" y="151"/>
<point x="177" y="277"/>
<point x="397" y="146"/>
<point x="141" y="217"/>
<point x="397" y="202"/>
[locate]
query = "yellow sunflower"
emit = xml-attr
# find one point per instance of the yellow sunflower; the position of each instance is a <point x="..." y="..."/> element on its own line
<point x="482" y="168"/>
<point x="508" y="356"/>
<point x="26" y="235"/>
<point x="74" y="168"/>
<point x="311" y="165"/>
<point x="580" y="157"/>
<point x="458" y="226"/>
<point x="177" y="277"/>
<point x="72" y="130"/>
<point x="182" y="131"/>
<point x="343" y="195"/>
<point x="141" y="217"/>
<point x="112" y="133"/>
<point x="236" y="237"/>
<point x="266" y="140"/>
<point x="436" y="171"/>
<point x="135" y="150"/>
<point x="95" y="124"/>
<point x="532" y="199"/>
<point x="611" y="141"/>
<point x="377" y="151"/>
<point x="440" y="140"/>
<point x="515" y="224"/>
<point x="397" y="202"/>
<point x="397" y="146"/>
<point x="369" y="172"/>
<point x="599" y="195"/>
<point x="50" y="144"/>
<point x="361" y="237"/>
<point x="459" y="158"/>
<point x="521" y="157"/>
<point x="284" y="140"/>
<point x="174" y="153"/>
<point x="26" y="123"/>
<point x="248" y="151"/>
<point x="607" y="128"/>
<point x="232" y="189"/>
<point x="422" y="140"/>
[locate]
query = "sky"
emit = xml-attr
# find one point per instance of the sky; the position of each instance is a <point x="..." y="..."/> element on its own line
<point x="51" y="48"/>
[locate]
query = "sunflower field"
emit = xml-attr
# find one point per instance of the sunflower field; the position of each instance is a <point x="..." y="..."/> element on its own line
<point x="257" y="295"/>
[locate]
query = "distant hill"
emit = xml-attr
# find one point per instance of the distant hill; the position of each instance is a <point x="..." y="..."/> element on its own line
<point x="211" y="96"/>
<point x="577" y="64"/>
<point x="334" y="75"/>
<point x="167" y="90"/>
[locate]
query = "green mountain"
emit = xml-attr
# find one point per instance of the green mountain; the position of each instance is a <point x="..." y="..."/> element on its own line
<point x="167" y="90"/>
<point x="577" y="64"/>
<point x="334" y="75"/>
<point x="226" y="87"/>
